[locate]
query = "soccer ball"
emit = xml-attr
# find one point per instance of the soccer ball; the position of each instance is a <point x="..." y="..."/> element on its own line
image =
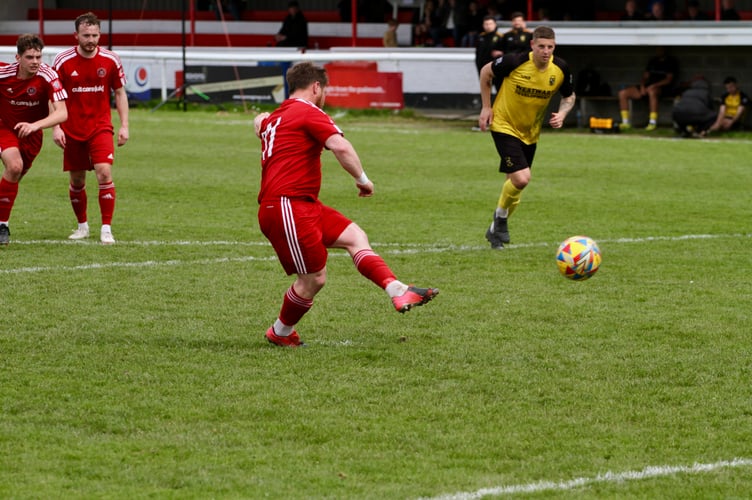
<point x="578" y="258"/>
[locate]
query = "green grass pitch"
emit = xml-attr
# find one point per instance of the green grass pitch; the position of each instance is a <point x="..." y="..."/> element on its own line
<point x="141" y="371"/>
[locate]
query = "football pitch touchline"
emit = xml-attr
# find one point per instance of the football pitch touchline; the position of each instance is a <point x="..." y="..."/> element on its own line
<point x="429" y="246"/>
<point x="147" y="263"/>
<point x="401" y="249"/>
<point x="648" y="472"/>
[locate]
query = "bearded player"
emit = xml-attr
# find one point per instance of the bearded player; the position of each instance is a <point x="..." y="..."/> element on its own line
<point x="91" y="74"/>
<point x="298" y="225"/>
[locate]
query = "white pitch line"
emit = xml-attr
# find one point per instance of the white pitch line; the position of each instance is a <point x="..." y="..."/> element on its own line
<point x="607" y="477"/>
<point x="390" y="249"/>
<point x="147" y="243"/>
<point x="429" y="246"/>
<point x="147" y="263"/>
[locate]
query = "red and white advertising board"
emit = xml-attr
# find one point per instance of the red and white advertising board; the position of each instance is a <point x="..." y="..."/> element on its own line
<point x="357" y="85"/>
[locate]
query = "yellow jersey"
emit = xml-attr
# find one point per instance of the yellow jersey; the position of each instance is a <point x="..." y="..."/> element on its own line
<point x="522" y="101"/>
<point x="733" y="102"/>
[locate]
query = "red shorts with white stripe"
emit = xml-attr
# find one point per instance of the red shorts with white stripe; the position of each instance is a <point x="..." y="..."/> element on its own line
<point x="83" y="155"/>
<point x="300" y="232"/>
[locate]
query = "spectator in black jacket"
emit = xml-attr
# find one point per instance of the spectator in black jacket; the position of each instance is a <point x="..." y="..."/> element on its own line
<point x="294" y="30"/>
<point x="631" y="12"/>
<point x="729" y="12"/>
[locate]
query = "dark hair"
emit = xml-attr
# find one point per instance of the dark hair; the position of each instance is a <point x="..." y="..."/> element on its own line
<point x="87" y="18"/>
<point x="729" y="79"/>
<point x="487" y="18"/>
<point x="304" y="74"/>
<point x="544" y="32"/>
<point x="28" y="41"/>
<point x="516" y="14"/>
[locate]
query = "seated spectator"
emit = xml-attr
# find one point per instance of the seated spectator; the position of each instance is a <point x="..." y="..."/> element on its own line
<point x="694" y="13"/>
<point x="420" y="36"/>
<point x="728" y="11"/>
<point x="734" y="104"/>
<point x="631" y="12"/>
<point x="658" y="79"/>
<point x="693" y="113"/>
<point x="657" y="11"/>
<point x="294" y="30"/>
<point x="422" y="31"/>
<point x="390" y="35"/>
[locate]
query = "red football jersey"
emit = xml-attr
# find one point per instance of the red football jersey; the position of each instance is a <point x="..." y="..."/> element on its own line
<point x="27" y="100"/>
<point x="292" y="139"/>
<point x="90" y="83"/>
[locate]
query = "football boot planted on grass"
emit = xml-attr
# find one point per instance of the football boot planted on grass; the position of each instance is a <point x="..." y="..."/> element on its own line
<point x="79" y="234"/>
<point x="498" y="233"/>
<point x="413" y="297"/>
<point x="106" y="237"/>
<point x="292" y="340"/>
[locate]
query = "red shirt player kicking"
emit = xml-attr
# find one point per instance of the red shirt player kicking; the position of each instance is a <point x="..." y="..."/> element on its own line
<point x="298" y="225"/>
<point x="91" y="74"/>
<point x="31" y="99"/>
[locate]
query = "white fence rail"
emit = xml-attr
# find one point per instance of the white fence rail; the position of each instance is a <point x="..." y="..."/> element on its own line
<point x="435" y="69"/>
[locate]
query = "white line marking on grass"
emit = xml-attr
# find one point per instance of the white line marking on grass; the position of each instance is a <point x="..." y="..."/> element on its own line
<point x="648" y="472"/>
<point x="391" y="249"/>
<point x="147" y="243"/>
<point x="411" y="247"/>
<point x="148" y="263"/>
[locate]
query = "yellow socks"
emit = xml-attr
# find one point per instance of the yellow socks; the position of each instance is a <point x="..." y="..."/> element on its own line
<point x="510" y="197"/>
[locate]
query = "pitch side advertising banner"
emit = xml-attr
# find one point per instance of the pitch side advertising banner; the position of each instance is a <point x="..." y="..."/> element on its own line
<point x="137" y="80"/>
<point x="356" y="89"/>
<point x="223" y="83"/>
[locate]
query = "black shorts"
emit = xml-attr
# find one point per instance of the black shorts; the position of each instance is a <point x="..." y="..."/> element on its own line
<point x="515" y="155"/>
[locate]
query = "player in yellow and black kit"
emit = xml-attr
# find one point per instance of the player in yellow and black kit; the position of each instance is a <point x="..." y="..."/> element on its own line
<point x="734" y="103"/>
<point x="529" y="81"/>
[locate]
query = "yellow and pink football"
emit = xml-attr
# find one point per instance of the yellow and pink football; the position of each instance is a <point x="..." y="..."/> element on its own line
<point x="578" y="258"/>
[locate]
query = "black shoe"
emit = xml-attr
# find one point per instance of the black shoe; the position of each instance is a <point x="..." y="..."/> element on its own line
<point x="4" y="234"/>
<point x="501" y="229"/>
<point x="494" y="240"/>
